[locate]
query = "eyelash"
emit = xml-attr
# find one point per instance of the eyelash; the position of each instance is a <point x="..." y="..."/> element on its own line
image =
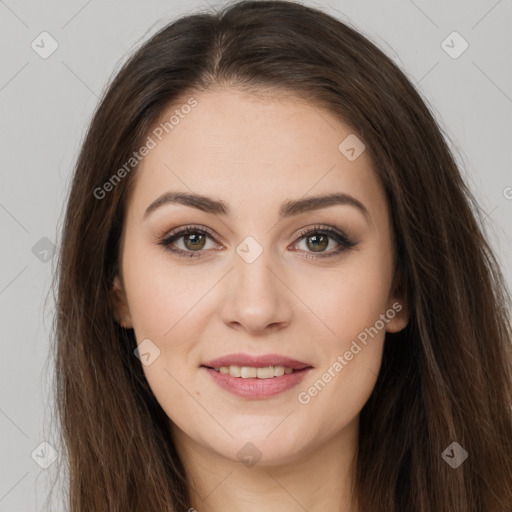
<point x="343" y="241"/>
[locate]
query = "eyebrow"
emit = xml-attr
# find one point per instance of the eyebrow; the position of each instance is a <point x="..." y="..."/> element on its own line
<point x="288" y="208"/>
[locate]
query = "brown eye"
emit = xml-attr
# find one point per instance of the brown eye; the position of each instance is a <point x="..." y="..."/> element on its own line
<point x="194" y="241"/>
<point x="188" y="241"/>
<point x="317" y="240"/>
<point x="317" y="243"/>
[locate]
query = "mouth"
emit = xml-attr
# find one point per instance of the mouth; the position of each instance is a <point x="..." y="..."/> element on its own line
<point x="256" y="377"/>
<point x="253" y="372"/>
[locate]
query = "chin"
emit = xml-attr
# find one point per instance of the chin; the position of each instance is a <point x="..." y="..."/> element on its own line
<point x="259" y="446"/>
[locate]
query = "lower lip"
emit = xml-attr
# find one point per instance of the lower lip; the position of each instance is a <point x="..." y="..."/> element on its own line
<point x="257" y="389"/>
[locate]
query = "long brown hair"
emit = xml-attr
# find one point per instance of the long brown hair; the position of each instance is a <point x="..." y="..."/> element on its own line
<point x="446" y="378"/>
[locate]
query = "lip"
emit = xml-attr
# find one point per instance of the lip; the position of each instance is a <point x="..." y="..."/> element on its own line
<point x="254" y="388"/>
<point x="256" y="361"/>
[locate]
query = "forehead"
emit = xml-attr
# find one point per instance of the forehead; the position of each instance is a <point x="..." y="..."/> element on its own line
<point x="244" y="147"/>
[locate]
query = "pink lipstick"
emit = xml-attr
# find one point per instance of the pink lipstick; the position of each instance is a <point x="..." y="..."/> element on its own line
<point x="256" y="377"/>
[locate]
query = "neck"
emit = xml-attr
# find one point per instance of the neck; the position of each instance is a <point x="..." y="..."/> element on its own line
<point x="318" y="479"/>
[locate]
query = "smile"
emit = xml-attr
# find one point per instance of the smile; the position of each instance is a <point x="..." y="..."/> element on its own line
<point x="256" y="377"/>
<point x="251" y="372"/>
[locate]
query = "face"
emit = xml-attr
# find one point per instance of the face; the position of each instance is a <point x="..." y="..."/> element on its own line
<point x="255" y="269"/>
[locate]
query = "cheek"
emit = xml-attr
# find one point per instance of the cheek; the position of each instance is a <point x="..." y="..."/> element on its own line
<point x="167" y="306"/>
<point x="159" y="294"/>
<point x="352" y="298"/>
<point x="351" y="359"/>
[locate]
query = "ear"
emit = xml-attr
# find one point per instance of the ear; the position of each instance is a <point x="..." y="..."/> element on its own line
<point x="120" y="304"/>
<point x="398" y="305"/>
<point x="398" y="315"/>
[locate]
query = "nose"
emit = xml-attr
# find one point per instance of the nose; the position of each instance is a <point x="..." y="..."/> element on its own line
<point x="256" y="298"/>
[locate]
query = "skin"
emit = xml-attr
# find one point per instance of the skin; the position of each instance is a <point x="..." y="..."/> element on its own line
<point x="255" y="151"/>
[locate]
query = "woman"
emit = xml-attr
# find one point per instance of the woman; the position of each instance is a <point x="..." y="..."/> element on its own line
<point x="274" y="291"/>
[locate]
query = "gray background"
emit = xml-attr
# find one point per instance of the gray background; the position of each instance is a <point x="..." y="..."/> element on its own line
<point x="47" y="103"/>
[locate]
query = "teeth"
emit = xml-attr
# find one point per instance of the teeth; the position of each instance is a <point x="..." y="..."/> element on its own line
<point x="279" y="370"/>
<point x="234" y="371"/>
<point x="250" y="372"/>
<point x="265" y="373"/>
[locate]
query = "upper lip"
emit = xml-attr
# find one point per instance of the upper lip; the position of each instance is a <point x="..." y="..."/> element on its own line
<point x="256" y="361"/>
